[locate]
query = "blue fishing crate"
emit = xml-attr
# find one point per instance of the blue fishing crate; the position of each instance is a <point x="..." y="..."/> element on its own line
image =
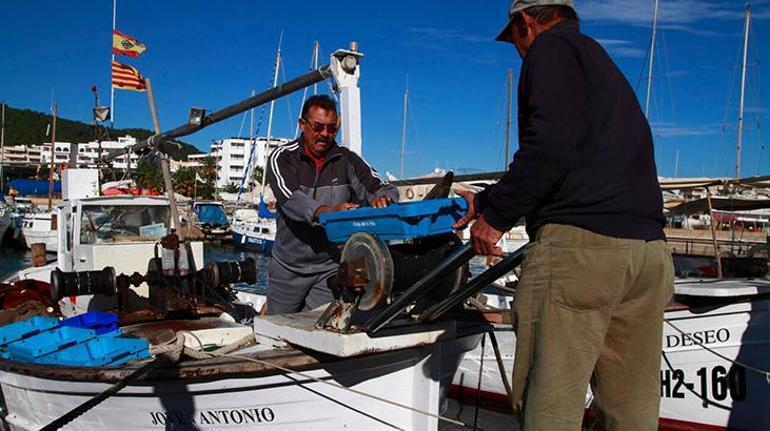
<point x="30" y="349"/>
<point x="99" y="352"/>
<point x="26" y="328"/>
<point x="399" y="221"/>
<point x="100" y="322"/>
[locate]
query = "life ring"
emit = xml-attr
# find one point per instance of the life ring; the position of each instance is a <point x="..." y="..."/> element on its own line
<point x="409" y="193"/>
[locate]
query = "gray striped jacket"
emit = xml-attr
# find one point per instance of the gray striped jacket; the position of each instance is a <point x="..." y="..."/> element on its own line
<point x="301" y="243"/>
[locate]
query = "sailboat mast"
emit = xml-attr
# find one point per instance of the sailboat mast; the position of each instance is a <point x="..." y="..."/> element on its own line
<point x="2" y="148"/>
<point x="508" y="120"/>
<point x="403" y="129"/>
<point x="270" y="116"/>
<point x="743" y="91"/>
<point x="53" y="156"/>
<point x="313" y="66"/>
<point x="652" y="59"/>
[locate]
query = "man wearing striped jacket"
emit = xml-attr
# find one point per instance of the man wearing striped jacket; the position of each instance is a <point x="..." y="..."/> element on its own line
<point x="311" y="176"/>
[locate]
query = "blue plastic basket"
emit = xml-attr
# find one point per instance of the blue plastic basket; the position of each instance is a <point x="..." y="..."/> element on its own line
<point x="26" y="328"/>
<point x="399" y="221"/>
<point x="102" y="323"/>
<point x="44" y="343"/>
<point x="99" y="352"/>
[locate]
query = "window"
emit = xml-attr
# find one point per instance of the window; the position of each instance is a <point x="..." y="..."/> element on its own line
<point x="101" y="224"/>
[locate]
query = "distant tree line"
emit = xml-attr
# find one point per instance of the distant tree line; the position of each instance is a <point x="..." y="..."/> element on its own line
<point x="27" y="127"/>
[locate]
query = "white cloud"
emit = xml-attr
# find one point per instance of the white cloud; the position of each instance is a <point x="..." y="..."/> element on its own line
<point x="622" y="48"/>
<point x="669" y="130"/>
<point x="674" y="14"/>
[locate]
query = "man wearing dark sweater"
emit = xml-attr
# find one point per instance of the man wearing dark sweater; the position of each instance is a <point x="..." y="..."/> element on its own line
<point x="597" y="274"/>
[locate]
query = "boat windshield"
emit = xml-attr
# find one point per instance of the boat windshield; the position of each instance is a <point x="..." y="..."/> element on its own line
<point x="101" y="224"/>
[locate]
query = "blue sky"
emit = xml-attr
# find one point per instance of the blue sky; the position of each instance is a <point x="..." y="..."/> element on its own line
<point x="211" y="54"/>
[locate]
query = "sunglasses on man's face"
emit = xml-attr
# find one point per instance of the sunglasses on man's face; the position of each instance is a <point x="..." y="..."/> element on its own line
<point x="319" y="127"/>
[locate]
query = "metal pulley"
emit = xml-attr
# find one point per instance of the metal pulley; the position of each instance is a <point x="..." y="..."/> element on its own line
<point x="365" y="253"/>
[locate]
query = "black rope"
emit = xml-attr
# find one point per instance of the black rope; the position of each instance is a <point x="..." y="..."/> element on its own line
<point x="478" y="384"/>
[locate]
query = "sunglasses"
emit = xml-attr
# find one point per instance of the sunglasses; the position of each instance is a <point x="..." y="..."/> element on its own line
<point x="318" y="127"/>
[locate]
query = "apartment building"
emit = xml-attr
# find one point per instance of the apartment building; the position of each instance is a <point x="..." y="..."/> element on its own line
<point x="232" y="157"/>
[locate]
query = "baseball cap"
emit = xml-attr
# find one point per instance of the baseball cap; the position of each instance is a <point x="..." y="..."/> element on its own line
<point x="519" y="5"/>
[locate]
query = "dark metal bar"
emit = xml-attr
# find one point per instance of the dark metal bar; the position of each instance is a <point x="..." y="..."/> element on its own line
<point x="482" y="280"/>
<point x="274" y="93"/>
<point x="460" y="257"/>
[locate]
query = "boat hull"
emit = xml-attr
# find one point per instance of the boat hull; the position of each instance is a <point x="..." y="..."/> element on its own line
<point x="263" y="245"/>
<point x="249" y="399"/>
<point x="49" y="238"/>
<point x="699" y="388"/>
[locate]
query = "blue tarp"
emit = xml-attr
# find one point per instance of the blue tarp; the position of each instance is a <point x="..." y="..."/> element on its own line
<point x="263" y="210"/>
<point x="33" y="187"/>
<point x="212" y="214"/>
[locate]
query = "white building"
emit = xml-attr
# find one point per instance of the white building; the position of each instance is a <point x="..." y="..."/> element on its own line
<point x="232" y="157"/>
<point x="87" y="153"/>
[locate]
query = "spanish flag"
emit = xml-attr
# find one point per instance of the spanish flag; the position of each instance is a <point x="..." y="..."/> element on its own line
<point x="126" y="45"/>
<point x="126" y="77"/>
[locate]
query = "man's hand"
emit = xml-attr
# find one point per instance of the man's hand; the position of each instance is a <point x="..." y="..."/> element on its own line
<point x="381" y="202"/>
<point x="469" y="197"/>
<point x="484" y="237"/>
<point x="330" y="209"/>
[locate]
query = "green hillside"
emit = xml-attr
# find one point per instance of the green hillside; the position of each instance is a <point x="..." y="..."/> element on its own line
<point x="26" y="127"/>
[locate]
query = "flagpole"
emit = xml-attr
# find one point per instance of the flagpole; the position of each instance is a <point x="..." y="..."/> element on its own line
<point x="112" y="89"/>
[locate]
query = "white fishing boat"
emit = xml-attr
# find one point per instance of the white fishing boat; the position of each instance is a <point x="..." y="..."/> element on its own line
<point x="40" y="228"/>
<point x="338" y="376"/>
<point x="714" y="369"/>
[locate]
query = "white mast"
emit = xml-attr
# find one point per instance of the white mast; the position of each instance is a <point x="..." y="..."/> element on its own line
<point x="270" y="117"/>
<point x="403" y="128"/>
<point x="313" y="66"/>
<point x="652" y="59"/>
<point x="743" y="91"/>
<point x="2" y="148"/>
<point x="508" y="121"/>
<point x="112" y="89"/>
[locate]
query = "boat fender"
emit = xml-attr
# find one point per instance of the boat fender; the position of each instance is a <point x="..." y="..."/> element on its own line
<point x="409" y="193"/>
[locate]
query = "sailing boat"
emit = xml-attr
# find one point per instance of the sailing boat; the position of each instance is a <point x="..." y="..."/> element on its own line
<point x="255" y="229"/>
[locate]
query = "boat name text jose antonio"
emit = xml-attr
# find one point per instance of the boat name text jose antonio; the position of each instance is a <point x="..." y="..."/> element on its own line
<point x="214" y="417"/>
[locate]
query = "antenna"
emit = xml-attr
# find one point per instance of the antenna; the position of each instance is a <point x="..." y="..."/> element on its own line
<point x="403" y="127"/>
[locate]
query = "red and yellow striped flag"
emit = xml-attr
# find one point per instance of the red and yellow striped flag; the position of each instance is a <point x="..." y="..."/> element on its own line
<point x="126" y="77"/>
<point x="126" y="45"/>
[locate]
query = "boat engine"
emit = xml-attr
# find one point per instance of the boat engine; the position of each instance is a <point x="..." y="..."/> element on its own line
<point x="372" y="274"/>
<point x="176" y="289"/>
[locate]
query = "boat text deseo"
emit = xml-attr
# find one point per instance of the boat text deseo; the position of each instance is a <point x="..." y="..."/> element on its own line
<point x="709" y="336"/>
<point x="717" y="383"/>
<point x="244" y="416"/>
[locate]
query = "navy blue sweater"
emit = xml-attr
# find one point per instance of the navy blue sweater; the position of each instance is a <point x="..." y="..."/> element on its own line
<point x="585" y="153"/>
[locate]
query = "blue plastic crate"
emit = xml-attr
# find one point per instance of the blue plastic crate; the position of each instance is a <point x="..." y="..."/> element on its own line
<point x="26" y="328"/>
<point x="29" y="349"/>
<point x="99" y="352"/>
<point x="101" y="323"/>
<point x="399" y="221"/>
